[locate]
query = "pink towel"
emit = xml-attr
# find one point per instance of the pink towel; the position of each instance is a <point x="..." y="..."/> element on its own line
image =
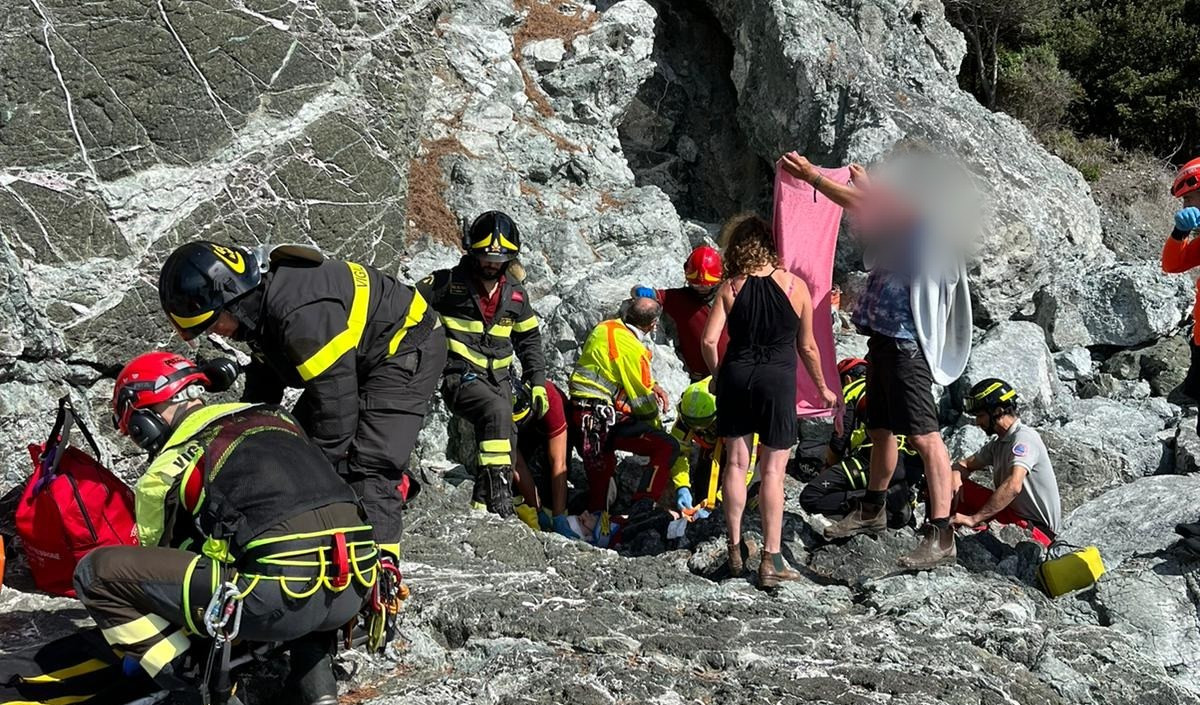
<point x="806" y="231"/>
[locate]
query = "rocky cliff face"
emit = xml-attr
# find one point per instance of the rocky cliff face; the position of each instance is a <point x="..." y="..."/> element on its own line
<point x="618" y="134"/>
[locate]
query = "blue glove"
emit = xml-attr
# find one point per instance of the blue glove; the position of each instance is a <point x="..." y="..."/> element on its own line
<point x="1188" y="219"/>
<point x="563" y="527"/>
<point x="683" y="498"/>
<point x="545" y="520"/>
<point x="647" y="292"/>
<point x="702" y="514"/>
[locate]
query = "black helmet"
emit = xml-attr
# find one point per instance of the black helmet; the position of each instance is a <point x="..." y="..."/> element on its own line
<point x="492" y="237"/>
<point x="521" y="401"/>
<point x="200" y="279"/>
<point x="990" y="394"/>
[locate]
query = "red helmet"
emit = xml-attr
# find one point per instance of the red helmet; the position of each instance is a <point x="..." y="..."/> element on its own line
<point x="846" y="366"/>
<point x="703" y="267"/>
<point x="1187" y="180"/>
<point x="149" y="379"/>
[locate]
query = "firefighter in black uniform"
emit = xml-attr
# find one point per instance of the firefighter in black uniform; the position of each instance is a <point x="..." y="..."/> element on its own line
<point x="488" y="318"/>
<point x="363" y="346"/>
<point x="237" y="511"/>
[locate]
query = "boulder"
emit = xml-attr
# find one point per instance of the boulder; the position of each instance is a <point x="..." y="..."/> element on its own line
<point x="1135" y="520"/>
<point x="1122" y="304"/>
<point x="1128" y="431"/>
<point x="1074" y="364"/>
<point x="1016" y="352"/>
<point x="1153" y="602"/>
<point x="847" y="83"/>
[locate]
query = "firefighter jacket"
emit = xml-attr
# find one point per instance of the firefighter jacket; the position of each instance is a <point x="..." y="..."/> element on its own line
<point x="323" y="327"/>
<point x="614" y="367"/>
<point x="487" y="349"/>
<point x="228" y="473"/>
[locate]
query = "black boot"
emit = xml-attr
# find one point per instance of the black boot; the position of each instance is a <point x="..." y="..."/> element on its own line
<point x="497" y="488"/>
<point x="312" y="669"/>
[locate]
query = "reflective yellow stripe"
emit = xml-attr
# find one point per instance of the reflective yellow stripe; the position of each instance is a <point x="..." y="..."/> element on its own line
<point x="500" y="331"/>
<point x="506" y="243"/>
<point x="584" y="375"/>
<point x="462" y="325"/>
<point x="714" y="474"/>
<point x="164" y="652"/>
<point x="62" y="674"/>
<point x="136" y="631"/>
<point x="416" y="313"/>
<point x="460" y="348"/>
<point x="187" y="596"/>
<point x="500" y="445"/>
<point x="188" y="322"/>
<point x="526" y="325"/>
<point x="65" y="700"/>
<point x="482" y="243"/>
<point x="348" y="339"/>
<point x="495" y="459"/>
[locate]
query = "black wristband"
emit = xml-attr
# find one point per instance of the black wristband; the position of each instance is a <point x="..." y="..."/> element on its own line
<point x="1178" y="234"/>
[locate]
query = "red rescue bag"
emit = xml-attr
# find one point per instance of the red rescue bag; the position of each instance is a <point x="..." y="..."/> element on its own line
<point x="71" y="505"/>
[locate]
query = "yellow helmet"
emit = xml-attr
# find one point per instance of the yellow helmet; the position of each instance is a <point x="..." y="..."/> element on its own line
<point x="698" y="406"/>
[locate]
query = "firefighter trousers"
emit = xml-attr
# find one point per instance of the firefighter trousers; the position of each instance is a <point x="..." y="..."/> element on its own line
<point x="393" y="401"/>
<point x="149" y="601"/>
<point x="487" y="405"/>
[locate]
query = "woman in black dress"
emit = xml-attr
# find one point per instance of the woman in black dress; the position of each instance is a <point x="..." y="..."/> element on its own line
<point x="769" y="314"/>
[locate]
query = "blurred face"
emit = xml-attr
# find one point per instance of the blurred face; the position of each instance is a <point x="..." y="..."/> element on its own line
<point x="1191" y="199"/>
<point x="704" y="290"/>
<point x="981" y="419"/>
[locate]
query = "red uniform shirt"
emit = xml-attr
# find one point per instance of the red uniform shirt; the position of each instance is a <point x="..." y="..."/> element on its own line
<point x="553" y="424"/>
<point x="488" y="304"/>
<point x="690" y="314"/>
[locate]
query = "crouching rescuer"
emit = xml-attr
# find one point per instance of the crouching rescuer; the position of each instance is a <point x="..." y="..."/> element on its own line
<point x="247" y="532"/>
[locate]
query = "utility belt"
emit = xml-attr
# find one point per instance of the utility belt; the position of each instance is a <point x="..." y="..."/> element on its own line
<point x="597" y="417"/>
<point x="305" y="563"/>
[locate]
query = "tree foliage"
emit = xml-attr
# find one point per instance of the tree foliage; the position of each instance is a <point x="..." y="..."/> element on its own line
<point x="1125" y="71"/>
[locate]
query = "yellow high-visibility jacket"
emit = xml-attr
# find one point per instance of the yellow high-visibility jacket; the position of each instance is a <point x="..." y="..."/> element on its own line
<point x="614" y="366"/>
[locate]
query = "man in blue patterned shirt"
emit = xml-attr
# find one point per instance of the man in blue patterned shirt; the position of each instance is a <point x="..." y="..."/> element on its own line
<point x="900" y="381"/>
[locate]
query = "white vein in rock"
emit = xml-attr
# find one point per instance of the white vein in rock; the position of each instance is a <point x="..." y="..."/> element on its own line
<point x="46" y="26"/>
<point x="188" y="55"/>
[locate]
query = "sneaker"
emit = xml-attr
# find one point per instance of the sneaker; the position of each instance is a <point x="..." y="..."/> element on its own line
<point x="937" y="548"/>
<point x="857" y="522"/>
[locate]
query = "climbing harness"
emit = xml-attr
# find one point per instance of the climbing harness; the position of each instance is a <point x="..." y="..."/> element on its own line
<point x="598" y="418"/>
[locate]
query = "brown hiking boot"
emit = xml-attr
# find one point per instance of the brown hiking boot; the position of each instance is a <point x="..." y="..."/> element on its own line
<point x="858" y="522"/>
<point x="937" y="547"/>
<point x="774" y="570"/>
<point x="739" y="553"/>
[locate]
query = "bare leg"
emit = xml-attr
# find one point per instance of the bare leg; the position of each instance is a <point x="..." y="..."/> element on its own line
<point x="733" y="484"/>
<point x="884" y="456"/>
<point x="523" y="479"/>
<point x="772" y="463"/>
<point x="937" y="472"/>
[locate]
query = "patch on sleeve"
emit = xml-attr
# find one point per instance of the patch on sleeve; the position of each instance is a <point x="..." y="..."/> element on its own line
<point x="1020" y="450"/>
<point x="518" y="296"/>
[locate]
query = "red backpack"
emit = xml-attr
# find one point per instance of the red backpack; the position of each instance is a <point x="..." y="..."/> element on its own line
<point x="71" y="505"/>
